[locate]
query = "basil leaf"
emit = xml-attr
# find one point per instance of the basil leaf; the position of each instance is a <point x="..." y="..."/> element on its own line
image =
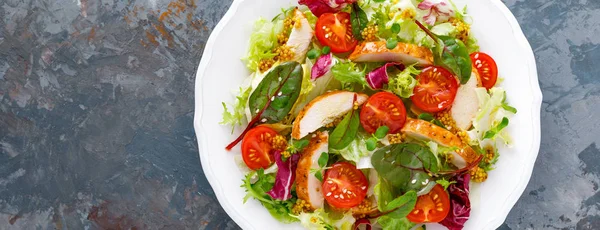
<point x="405" y="166"/>
<point x="381" y="132"/>
<point x="277" y="92"/>
<point x="323" y="159"/>
<point x="495" y="130"/>
<point x="345" y="132"/>
<point x="359" y="20"/>
<point x="454" y="57"/>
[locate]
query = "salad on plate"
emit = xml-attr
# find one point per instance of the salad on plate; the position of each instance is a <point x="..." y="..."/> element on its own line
<point x="367" y="114"/>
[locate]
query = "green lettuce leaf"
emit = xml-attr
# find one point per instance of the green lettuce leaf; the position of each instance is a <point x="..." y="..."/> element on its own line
<point x="404" y="82"/>
<point x="349" y="75"/>
<point x="262" y="42"/>
<point x="237" y="113"/>
<point x="280" y="210"/>
<point x="492" y="118"/>
<point x="321" y="220"/>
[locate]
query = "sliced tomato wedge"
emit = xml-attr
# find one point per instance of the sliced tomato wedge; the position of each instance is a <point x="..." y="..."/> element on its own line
<point x="436" y="89"/>
<point x="431" y="207"/>
<point x="383" y="108"/>
<point x="344" y="186"/>
<point x="335" y="31"/>
<point x="257" y="147"/>
<point x="486" y="68"/>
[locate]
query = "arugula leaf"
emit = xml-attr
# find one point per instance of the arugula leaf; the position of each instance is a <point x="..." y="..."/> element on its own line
<point x="450" y="53"/>
<point x="490" y="134"/>
<point x="276" y="94"/>
<point x="345" y="132"/>
<point x="405" y="166"/>
<point x="359" y="20"/>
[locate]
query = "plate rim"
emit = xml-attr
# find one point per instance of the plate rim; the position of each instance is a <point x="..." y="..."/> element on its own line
<point x="493" y="224"/>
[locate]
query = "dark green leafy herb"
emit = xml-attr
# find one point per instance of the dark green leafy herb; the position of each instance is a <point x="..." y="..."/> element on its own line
<point x="371" y="144"/>
<point x="445" y="183"/>
<point x="314" y="53"/>
<point x="297" y="146"/>
<point x="381" y="132"/>
<point x="345" y="132"/>
<point x="391" y="43"/>
<point x="278" y="92"/>
<point x="394" y="205"/>
<point x="405" y="166"/>
<point x="326" y="50"/>
<point x="450" y="53"/>
<point x="323" y="159"/>
<point x="395" y="28"/>
<point x="359" y="20"/>
<point x="430" y="118"/>
<point x="495" y="130"/>
<point x="319" y="175"/>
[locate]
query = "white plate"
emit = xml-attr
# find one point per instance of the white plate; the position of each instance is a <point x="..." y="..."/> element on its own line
<point x="221" y="71"/>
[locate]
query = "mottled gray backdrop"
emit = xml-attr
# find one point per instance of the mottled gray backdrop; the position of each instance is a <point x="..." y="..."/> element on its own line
<point x="96" y="108"/>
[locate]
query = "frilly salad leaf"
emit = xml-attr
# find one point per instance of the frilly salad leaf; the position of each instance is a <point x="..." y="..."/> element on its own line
<point x="404" y="82"/>
<point x="319" y="7"/>
<point x="380" y="77"/>
<point x="280" y="210"/>
<point x="237" y="114"/>
<point x="459" y="203"/>
<point x="286" y="174"/>
<point x="277" y="92"/>
<point x="349" y="75"/>
<point x="356" y="150"/>
<point x="492" y="118"/>
<point x="321" y="220"/>
<point x="262" y="41"/>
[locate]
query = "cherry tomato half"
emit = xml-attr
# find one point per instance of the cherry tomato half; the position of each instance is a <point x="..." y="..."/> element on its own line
<point x="335" y="31"/>
<point x="486" y="68"/>
<point x="436" y="89"/>
<point x="344" y="186"/>
<point x="431" y="207"/>
<point x="257" y="147"/>
<point x="383" y="108"/>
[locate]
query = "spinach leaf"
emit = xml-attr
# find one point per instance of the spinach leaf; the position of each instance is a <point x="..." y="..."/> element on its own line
<point x="405" y="166"/>
<point x="277" y="92"/>
<point x="450" y="53"/>
<point x="455" y="57"/>
<point x="345" y="132"/>
<point x="359" y="20"/>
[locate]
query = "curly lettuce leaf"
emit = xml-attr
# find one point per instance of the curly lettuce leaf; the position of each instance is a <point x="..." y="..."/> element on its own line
<point x="237" y="113"/>
<point x="349" y="75"/>
<point x="280" y="210"/>
<point x="403" y="84"/>
<point x="262" y="42"/>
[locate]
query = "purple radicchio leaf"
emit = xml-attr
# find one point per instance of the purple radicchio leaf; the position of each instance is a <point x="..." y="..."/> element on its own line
<point x="318" y="7"/>
<point x="379" y="77"/>
<point x="321" y="67"/>
<point x="459" y="203"/>
<point x="286" y="174"/>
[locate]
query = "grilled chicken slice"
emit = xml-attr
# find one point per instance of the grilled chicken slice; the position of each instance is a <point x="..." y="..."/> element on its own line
<point x="403" y="53"/>
<point x="423" y="130"/>
<point x="323" y="110"/>
<point x="300" y="37"/>
<point x="308" y="187"/>
<point x="465" y="105"/>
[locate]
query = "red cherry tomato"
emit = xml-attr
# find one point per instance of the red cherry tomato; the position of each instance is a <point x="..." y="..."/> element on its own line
<point x="486" y="68"/>
<point x="344" y="186"/>
<point x="257" y="147"/>
<point x="383" y="108"/>
<point x="335" y="31"/>
<point x="436" y="89"/>
<point x="431" y="207"/>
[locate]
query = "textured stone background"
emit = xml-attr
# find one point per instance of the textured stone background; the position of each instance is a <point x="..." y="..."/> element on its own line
<point x="96" y="107"/>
